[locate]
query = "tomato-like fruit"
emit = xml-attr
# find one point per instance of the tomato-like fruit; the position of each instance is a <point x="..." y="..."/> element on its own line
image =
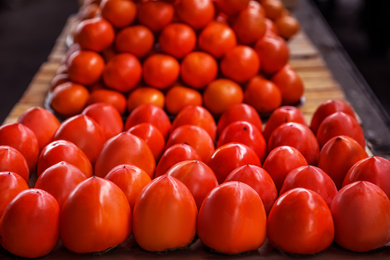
<point x="300" y="222"/>
<point x="280" y="161"/>
<point x="85" y="67"/>
<point x="69" y="99"/>
<point x="259" y="180"/>
<point x="42" y="122"/>
<point x="340" y="123"/>
<point x="230" y="156"/>
<point x="245" y="133"/>
<point x="155" y="14"/>
<point x="249" y="24"/>
<point x="196" y="13"/>
<point x="198" y="69"/>
<point x="361" y="214"/>
<point x="12" y="160"/>
<point x="29" y="226"/>
<point x="148" y="113"/>
<point x="178" y="97"/>
<point x="125" y="148"/>
<point x="130" y="179"/>
<point x="22" y="139"/>
<point x="197" y="176"/>
<point x="152" y="137"/>
<point x="175" y="154"/>
<point x="108" y="96"/>
<point x="84" y="132"/>
<point x="94" y="34"/>
<point x="137" y="40"/>
<point x="217" y="38"/>
<point x="273" y="8"/>
<point x="282" y="115"/>
<point x="145" y="95"/>
<point x="231" y="7"/>
<point x="287" y="25"/>
<point x="262" y="94"/>
<point x="60" y="180"/>
<point x="96" y="209"/>
<point x="220" y="94"/>
<point x="290" y="85"/>
<point x="119" y="13"/>
<point x="338" y="155"/>
<point x="196" y="137"/>
<point x="230" y="203"/>
<point x="240" y="63"/>
<point x="164" y="215"/>
<point x="11" y="184"/>
<point x="313" y="178"/>
<point x="107" y="117"/>
<point x="239" y="112"/>
<point x="160" y="70"/>
<point x="177" y="39"/>
<point x="374" y="169"/>
<point x="122" y="72"/>
<point x="273" y="53"/>
<point x="62" y="150"/>
<point x="298" y="136"/>
<point x="327" y="108"/>
<point x="196" y="115"/>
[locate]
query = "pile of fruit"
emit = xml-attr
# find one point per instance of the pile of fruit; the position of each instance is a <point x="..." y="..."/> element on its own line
<point x="214" y="173"/>
<point x="177" y="53"/>
<point x="232" y="183"/>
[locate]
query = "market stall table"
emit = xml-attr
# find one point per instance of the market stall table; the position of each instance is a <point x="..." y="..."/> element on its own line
<point x="320" y="85"/>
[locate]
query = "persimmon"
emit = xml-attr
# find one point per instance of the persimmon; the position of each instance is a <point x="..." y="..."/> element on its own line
<point x="94" y="34"/>
<point x="119" y="13"/>
<point x="85" y="67"/>
<point x="155" y="14"/>
<point x="196" y="13"/>
<point x="42" y="122"/>
<point x="240" y="63"/>
<point x="197" y="69"/>
<point x="217" y="38"/>
<point x="273" y="52"/>
<point x="231" y="7"/>
<point x="290" y="85"/>
<point x="108" y="96"/>
<point x="177" y="39"/>
<point x="145" y="95"/>
<point x="249" y="25"/>
<point x="196" y="115"/>
<point x="137" y="40"/>
<point x="122" y="72"/>
<point x="160" y="70"/>
<point x="222" y="93"/>
<point x="262" y="94"/>
<point x="179" y="97"/>
<point x="151" y="114"/>
<point x="287" y="25"/>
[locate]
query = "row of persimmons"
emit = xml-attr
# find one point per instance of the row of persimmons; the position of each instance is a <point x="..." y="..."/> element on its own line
<point x="172" y="53"/>
<point x="233" y="182"/>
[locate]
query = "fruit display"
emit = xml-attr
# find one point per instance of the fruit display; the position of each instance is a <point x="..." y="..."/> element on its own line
<point x="178" y="53"/>
<point x="173" y="128"/>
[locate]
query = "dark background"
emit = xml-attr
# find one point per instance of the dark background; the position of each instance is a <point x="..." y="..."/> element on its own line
<point x="29" y="28"/>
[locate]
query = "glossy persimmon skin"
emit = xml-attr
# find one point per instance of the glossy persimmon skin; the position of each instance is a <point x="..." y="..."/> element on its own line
<point x="95" y="217"/>
<point x="164" y="215"/>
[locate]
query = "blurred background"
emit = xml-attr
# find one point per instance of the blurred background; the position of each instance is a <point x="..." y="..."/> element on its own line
<point x="29" y="28"/>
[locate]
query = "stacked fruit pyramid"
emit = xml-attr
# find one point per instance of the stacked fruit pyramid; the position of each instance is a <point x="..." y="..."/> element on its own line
<point x="160" y="140"/>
